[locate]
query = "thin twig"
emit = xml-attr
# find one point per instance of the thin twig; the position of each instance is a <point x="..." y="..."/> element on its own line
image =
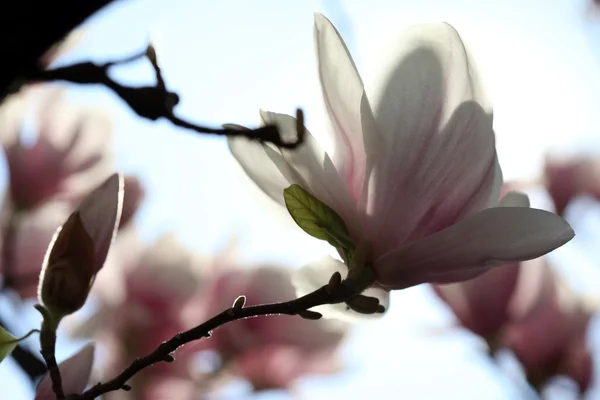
<point x="328" y="294"/>
<point x="153" y="102"/>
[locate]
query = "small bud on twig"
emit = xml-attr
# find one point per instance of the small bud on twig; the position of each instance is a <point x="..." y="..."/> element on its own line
<point x="334" y="282"/>
<point x="238" y="304"/>
<point x="313" y="315"/>
<point x="169" y="358"/>
<point x="365" y="305"/>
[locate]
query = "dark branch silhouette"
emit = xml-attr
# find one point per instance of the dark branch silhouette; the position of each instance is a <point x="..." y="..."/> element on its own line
<point x="155" y="102"/>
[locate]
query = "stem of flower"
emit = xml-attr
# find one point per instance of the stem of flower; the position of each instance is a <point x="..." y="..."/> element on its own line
<point x="48" y="344"/>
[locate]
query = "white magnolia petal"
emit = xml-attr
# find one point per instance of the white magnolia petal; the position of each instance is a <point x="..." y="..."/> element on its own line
<point x="514" y="199"/>
<point x="496" y="186"/>
<point x="100" y="214"/>
<point x="342" y="92"/>
<point x="492" y="237"/>
<point x="315" y="171"/>
<point x="264" y="165"/>
<point x="437" y="161"/>
<point x="75" y="373"/>
<point x="314" y="275"/>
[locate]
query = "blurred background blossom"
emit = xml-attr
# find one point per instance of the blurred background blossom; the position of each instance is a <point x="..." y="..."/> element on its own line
<point x="196" y="233"/>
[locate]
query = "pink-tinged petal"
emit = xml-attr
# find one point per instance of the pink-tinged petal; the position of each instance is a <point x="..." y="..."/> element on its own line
<point x="437" y="161"/>
<point x="100" y="213"/>
<point x="264" y="165"/>
<point x="492" y="237"/>
<point x="578" y="362"/>
<point x="132" y="198"/>
<point x="72" y="154"/>
<point x="13" y="110"/>
<point x="315" y="172"/>
<point x="166" y="277"/>
<point x="514" y="199"/>
<point x="482" y="304"/>
<point x="75" y="372"/>
<point x="535" y="288"/>
<point x="316" y="274"/>
<point x="33" y="231"/>
<point x="342" y="91"/>
<point x="567" y="177"/>
<point x="280" y="366"/>
<point x="165" y="388"/>
<point x="552" y="338"/>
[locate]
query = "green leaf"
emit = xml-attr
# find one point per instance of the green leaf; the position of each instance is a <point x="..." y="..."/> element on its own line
<point x="315" y="217"/>
<point x="7" y="343"/>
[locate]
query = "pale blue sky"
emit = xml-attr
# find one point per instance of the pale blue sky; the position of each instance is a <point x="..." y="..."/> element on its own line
<point x="229" y="58"/>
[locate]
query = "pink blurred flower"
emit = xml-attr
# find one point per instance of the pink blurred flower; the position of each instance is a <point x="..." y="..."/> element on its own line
<point x="487" y="304"/>
<point x="482" y="304"/>
<point x="167" y="388"/>
<point x="72" y="153"/>
<point x="25" y="247"/>
<point x="567" y="177"/>
<point x="75" y="373"/>
<point x="158" y="284"/>
<point x="551" y="339"/>
<point x="416" y="176"/>
<point x="134" y="195"/>
<point x="273" y="351"/>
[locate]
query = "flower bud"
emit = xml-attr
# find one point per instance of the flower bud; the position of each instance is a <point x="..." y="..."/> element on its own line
<point x="79" y="248"/>
<point x="69" y="269"/>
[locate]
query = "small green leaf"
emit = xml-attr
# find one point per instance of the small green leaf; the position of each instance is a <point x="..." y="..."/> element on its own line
<point x="7" y="343"/>
<point x="315" y="217"/>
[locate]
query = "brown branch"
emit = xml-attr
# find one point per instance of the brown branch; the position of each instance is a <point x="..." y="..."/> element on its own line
<point x="154" y="102"/>
<point x="336" y="291"/>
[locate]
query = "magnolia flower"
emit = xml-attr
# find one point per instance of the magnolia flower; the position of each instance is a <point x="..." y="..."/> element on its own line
<point x="414" y="174"/>
<point x="489" y="303"/>
<point x="551" y="339"/>
<point x="71" y="155"/>
<point x="568" y="177"/>
<point x="75" y="373"/>
<point x="79" y="248"/>
<point x="275" y="351"/>
<point x="482" y="304"/>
